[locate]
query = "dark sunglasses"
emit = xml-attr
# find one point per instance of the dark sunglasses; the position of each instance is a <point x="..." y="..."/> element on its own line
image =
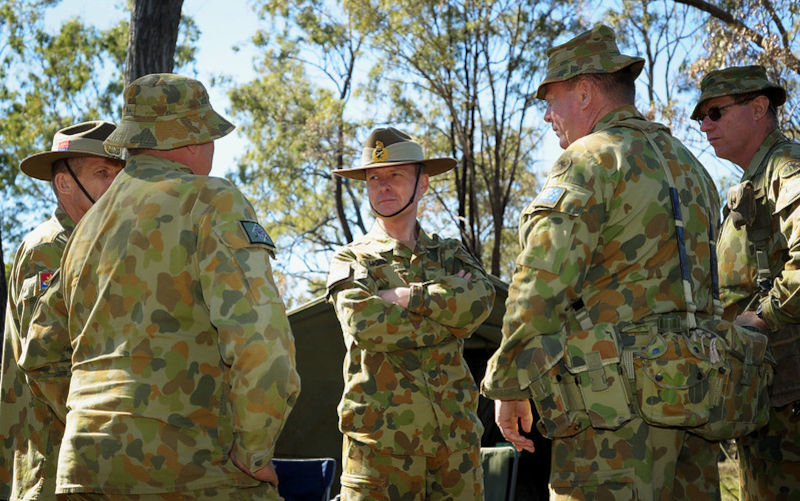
<point x="715" y="112"/>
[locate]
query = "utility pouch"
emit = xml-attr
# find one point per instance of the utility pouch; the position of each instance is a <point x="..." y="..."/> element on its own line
<point x="738" y="390"/>
<point x="672" y="381"/>
<point x="742" y="204"/>
<point x="593" y="360"/>
<point x="785" y="344"/>
<point x="553" y="391"/>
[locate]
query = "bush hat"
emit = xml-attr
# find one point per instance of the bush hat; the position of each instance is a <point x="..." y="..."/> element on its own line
<point x="738" y="80"/>
<point x="593" y="51"/>
<point x="390" y="146"/>
<point x="164" y="111"/>
<point x="79" y="140"/>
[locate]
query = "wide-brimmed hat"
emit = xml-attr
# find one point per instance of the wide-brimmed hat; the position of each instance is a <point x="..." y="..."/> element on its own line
<point x="593" y="51"/>
<point x="390" y="146"/>
<point x="79" y="140"/>
<point x="738" y="80"/>
<point x="164" y="111"/>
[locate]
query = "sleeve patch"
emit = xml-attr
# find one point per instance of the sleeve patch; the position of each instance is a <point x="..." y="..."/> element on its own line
<point x="44" y="280"/>
<point x="549" y="196"/>
<point x="256" y="234"/>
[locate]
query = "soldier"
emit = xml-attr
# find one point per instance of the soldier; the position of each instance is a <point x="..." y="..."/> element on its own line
<point x="79" y="171"/>
<point x="758" y="249"/>
<point x="597" y="288"/>
<point x="182" y="367"/>
<point x="406" y="301"/>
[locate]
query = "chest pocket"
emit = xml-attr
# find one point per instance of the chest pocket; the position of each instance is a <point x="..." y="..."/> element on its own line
<point x="547" y="224"/>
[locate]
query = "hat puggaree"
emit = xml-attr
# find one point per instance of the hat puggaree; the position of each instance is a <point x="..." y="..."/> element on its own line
<point x="390" y="146"/>
<point x="84" y="139"/>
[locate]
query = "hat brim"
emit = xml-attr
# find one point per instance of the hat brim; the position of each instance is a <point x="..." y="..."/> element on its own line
<point x="775" y="93"/>
<point x="171" y="133"/>
<point x="432" y="166"/>
<point x="619" y="63"/>
<point x="40" y="165"/>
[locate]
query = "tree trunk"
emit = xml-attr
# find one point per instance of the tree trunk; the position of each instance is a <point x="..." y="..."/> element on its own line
<point x="152" y="36"/>
<point x="3" y="289"/>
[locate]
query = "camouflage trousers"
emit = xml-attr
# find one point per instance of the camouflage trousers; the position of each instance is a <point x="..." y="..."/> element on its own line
<point x="769" y="458"/>
<point x="261" y="492"/>
<point x="637" y="461"/>
<point x="371" y="475"/>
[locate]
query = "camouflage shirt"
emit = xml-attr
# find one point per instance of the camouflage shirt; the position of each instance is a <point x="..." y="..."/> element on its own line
<point x="407" y="387"/>
<point x="27" y="430"/>
<point x="775" y="174"/>
<point x="181" y="348"/>
<point x="601" y="230"/>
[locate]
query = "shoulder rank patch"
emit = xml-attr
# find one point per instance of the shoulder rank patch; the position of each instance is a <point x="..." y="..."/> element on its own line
<point x="258" y="235"/>
<point x="561" y="166"/>
<point x="44" y="280"/>
<point x="549" y="196"/>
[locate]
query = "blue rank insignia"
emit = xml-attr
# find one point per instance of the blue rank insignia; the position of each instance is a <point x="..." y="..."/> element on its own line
<point x="256" y="234"/>
<point x="549" y="196"/>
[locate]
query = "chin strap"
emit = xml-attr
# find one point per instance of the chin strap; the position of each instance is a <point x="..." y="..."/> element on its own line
<point x="410" y="200"/>
<point x="71" y="173"/>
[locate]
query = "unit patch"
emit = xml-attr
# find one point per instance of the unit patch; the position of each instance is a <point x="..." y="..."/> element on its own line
<point x="549" y="196"/>
<point x="44" y="280"/>
<point x="258" y="235"/>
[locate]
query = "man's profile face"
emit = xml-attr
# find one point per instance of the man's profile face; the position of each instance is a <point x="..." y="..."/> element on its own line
<point x="729" y="134"/>
<point x="390" y="188"/>
<point x="564" y="113"/>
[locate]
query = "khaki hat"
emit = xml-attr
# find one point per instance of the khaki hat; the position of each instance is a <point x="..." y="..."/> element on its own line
<point x="593" y="51"/>
<point x="389" y="146"/>
<point x="738" y="80"/>
<point x="79" y="140"/>
<point x="164" y="111"/>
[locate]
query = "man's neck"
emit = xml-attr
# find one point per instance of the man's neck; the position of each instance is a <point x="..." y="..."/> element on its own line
<point x="402" y="227"/>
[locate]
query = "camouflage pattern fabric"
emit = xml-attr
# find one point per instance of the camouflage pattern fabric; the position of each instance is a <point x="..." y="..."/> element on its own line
<point x="593" y="51"/>
<point x="624" y="463"/>
<point x="370" y="475"/>
<point x="408" y="390"/>
<point x="775" y="173"/>
<point x="180" y="347"/>
<point x="29" y="434"/>
<point x="738" y="80"/>
<point x="163" y="111"/>
<point x="601" y="230"/>
<point x="262" y="491"/>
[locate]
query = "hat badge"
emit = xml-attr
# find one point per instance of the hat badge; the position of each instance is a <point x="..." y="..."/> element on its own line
<point x="379" y="154"/>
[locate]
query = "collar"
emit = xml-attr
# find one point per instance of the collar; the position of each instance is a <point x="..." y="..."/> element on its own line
<point x="627" y="114"/>
<point x="758" y="163"/>
<point x="144" y="160"/>
<point x="382" y="242"/>
<point x="64" y="220"/>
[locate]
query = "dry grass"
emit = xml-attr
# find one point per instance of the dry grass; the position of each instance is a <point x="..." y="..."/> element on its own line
<point x="729" y="479"/>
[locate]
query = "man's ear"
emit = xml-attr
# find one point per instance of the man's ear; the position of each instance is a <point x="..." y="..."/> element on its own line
<point x="423" y="183"/>
<point x="63" y="182"/>
<point x="585" y="91"/>
<point x="760" y="105"/>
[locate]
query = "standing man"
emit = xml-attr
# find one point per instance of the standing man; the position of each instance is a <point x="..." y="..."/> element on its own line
<point x="79" y="171"/>
<point x="602" y="285"/>
<point x="759" y="258"/>
<point x="406" y="301"/>
<point x="182" y="360"/>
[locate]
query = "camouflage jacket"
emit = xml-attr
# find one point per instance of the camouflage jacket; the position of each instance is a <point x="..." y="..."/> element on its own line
<point x="775" y="174"/>
<point x="27" y="430"/>
<point x="407" y="387"/>
<point x="601" y="230"/>
<point x="181" y="348"/>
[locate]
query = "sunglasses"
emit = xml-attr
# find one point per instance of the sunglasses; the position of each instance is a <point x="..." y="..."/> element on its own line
<point x="715" y="112"/>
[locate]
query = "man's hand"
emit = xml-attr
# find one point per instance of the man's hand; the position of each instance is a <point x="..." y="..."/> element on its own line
<point x="464" y="274"/>
<point x="398" y="295"/>
<point x="506" y="414"/>
<point x="264" y="474"/>
<point x="750" y="319"/>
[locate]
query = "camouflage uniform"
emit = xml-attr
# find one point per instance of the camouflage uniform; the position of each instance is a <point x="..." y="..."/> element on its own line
<point x="408" y="390"/>
<point x="181" y="351"/>
<point x="29" y="433"/>
<point x="600" y="257"/>
<point x="770" y="457"/>
<point x="409" y="408"/>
